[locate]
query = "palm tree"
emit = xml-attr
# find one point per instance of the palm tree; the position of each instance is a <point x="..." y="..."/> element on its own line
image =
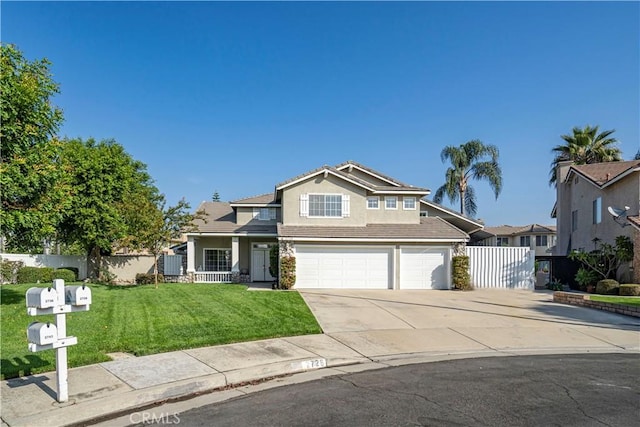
<point x="585" y="146"/>
<point x="469" y="161"/>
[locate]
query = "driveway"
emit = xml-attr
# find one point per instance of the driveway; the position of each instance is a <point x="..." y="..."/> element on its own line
<point x="381" y="323"/>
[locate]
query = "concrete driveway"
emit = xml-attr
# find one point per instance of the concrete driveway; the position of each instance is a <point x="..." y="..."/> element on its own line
<point x="382" y="323"/>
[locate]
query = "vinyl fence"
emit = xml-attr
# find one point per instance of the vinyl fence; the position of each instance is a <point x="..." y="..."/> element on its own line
<point x="500" y="267"/>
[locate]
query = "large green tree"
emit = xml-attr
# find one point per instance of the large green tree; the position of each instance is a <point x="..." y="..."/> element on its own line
<point x="105" y="178"/>
<point x="584" y="146"/>
<point x="472" y="160"/>
<point x="34" y="184"/>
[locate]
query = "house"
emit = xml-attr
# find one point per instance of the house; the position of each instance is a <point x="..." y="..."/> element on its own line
<point x="348" y="226"/>
<point x="540" y="238"/>
<point x="584" y="195"/>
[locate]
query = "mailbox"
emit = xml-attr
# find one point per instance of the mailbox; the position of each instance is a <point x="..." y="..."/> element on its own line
<point x="78" y="295"/>
<point x="42" y="297"/>
<point x="42" y="333"/>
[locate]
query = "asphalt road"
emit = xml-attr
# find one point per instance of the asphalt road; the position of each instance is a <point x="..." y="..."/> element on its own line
<point x="566" y="390"/>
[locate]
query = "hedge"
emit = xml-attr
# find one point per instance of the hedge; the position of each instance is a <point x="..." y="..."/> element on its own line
<point x="630" y="290"/>
<point x="35" y="275"/>
<point x="607" y="287"/>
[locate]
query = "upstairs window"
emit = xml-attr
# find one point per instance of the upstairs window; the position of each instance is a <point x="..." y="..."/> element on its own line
<point x="324" y="205"/>
<point x="597" y="210"/>
<point x="409" y="203"/>
<point x="541" y="241"/>
<point x="502" y="241"/>
<point x="373" y="202"/>
<point x="264" y="214"/>
<point x="525" y="241"/>
<point x="391" y="202"/>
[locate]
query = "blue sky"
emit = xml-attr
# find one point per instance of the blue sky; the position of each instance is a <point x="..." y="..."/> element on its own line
<point x="236" y="97"/>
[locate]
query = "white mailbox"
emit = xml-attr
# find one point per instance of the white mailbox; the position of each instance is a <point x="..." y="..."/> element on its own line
<point x="42" y="333"/>
<point x="42" y="297"/>
<point x="77" y="295"/>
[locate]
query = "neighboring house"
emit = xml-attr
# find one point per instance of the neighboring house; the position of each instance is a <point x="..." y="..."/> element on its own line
<point x="348" y="226"/>
<point x="540" y="238"/>
<point x="584" y="195"/>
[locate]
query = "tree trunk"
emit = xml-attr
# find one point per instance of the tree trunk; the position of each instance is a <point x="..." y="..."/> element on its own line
<point x="155" y="268"/>
<point x="462" y="201"/>
<point x="93" y="266"/>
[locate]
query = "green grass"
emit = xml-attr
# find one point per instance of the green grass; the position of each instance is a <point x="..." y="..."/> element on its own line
<point x="142" y="320"/>
<point x="616" y="300"/>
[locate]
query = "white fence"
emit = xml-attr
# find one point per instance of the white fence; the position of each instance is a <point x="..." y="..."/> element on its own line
<point x="501" y="267"/>
<point x="55" y="261"/>
<point x="212" y="277"/>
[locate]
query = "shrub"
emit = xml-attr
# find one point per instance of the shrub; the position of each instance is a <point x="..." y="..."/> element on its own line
<point x="75" y="270"/>
<point x="460" y="273"/>
<point x="64" y="274"/>
<point x="9" y="271"/>
<point x="555" y="285"/>
<point x="148" y="278"/>
<point x="631" y="290"/>
<point x="35" y="274"/>
<point x="585" y="277"/>
<point x="607" y="287"/>
<point x="287" y="272"/>
<point x="274" y="252"/>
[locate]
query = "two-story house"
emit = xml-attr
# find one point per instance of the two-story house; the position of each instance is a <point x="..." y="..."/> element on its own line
<point x="584" y="195"/>
<point x="348" y="226"/>
<point x="540" y="238"/>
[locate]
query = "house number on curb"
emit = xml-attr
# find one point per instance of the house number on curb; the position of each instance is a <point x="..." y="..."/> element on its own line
<point x="46" y="336"/>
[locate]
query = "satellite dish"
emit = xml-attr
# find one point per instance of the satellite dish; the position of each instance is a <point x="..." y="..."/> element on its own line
<point x="617" y="212"/>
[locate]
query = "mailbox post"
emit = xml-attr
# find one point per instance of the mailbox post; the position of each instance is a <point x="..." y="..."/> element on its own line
<point x="44" y="336"/>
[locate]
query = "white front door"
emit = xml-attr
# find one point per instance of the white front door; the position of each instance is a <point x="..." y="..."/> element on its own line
<point x="260" y="265"/>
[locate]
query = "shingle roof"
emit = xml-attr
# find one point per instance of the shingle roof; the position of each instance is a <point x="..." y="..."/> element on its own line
<point x="635" y="221"/>
<point x="433" y="228"/>
<point x="601" y="173"/>
<point x="261" y="199"/>
<point x="220" y="218"/>
<point x="510" y="230"/>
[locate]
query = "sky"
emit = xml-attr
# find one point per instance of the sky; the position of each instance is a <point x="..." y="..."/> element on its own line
<point x="236" y="97"/>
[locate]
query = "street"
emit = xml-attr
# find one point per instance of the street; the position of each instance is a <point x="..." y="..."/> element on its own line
<point x="564" y="390"/>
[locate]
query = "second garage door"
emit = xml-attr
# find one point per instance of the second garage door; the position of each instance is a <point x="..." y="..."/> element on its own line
<point x="343" y="267"/>
<point x="424" y="268"/>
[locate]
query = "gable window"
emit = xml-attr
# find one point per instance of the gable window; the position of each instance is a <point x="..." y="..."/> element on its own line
<point x="424" y="213"/>
<point x="502" y="241"/>
<point x="409" y="203"/>
<point x="328" y="205"/>
<point x="525" y="241"/>
<point x="217" y="259"/>
<point x="264" y="214"/>
<point x="373" y="202"/>
<point x="574" y="220"/>
<point x="597" y="210"/>
<point x="541" y="240"/>
<point x="391" y="202"/>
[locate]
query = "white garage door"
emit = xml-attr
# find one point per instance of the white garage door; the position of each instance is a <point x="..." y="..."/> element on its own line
<point x="424" y="268"/>
<point x="343" y="267"/>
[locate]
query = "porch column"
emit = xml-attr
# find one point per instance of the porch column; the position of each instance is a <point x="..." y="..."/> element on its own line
<point x="235" y="254"/>
<point x="191" y="255"/>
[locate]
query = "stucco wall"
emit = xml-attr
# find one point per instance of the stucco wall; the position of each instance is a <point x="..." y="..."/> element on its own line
<point x="245" y="216"/>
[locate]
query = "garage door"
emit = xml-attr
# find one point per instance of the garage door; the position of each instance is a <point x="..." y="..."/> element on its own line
<point x="343" y="267"/>
<point x="424" y="268"/>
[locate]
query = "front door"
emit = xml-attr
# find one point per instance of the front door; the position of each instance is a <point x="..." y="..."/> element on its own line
<point x="260" y="264"/>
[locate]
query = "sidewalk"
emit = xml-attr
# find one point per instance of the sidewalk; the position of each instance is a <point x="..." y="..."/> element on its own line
<point x="103" y="391"/>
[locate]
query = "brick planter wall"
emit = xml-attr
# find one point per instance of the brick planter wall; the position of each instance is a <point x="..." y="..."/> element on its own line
<point x="584" y="300"/>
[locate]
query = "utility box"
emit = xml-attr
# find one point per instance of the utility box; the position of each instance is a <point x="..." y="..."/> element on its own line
<point x="42" y="297"/>
<point x="77" y="295"/>
<point x="42" y="333"/>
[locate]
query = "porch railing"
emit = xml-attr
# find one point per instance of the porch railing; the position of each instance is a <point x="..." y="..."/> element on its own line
<point x="212" y="277"/>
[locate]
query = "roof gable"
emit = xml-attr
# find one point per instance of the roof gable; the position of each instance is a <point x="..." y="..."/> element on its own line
<point x="350" y="164"/>
<point x="604" y="174"/>
<point x="266" y="199"/>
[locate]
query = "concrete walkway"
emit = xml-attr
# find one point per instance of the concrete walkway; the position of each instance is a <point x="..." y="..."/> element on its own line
<point x="363" y="330"/>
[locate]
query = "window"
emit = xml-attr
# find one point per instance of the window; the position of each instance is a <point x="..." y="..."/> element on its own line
<point x="391" y="202"/>
<point x="597" y="210"/>
<point x="325" y="205"/>
<point x="424" y="213"/>
<point x="264" y="214"/>
<point x="409" y="203"/>
<point x="217" y="259"/>
<point x="373" y="202"/>
<point x="541" y="241"/>
<point x="502" y="241"/>
<point x="525" y="241"/>
<point x="574" y="220"/>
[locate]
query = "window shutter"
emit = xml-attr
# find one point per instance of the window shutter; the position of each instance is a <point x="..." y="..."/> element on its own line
<point x="304" y="205"/>
<point x="345" y="205"/>
<point x="272" y="213"/>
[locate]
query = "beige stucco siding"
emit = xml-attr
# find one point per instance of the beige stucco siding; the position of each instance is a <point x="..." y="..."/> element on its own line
<point x="582" y="194"/>
<point x="382" y="215"/>
<point x="203" y="243"/>
<point x="244" y="216"/>
<point x="321" y="185"/>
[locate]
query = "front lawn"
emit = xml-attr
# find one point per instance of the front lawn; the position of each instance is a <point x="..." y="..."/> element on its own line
<point x="142" y="320"/>
<point x="616" y="300"/>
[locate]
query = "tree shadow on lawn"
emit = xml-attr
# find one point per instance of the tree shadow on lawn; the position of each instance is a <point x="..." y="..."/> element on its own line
<point x="10" y="296"/>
